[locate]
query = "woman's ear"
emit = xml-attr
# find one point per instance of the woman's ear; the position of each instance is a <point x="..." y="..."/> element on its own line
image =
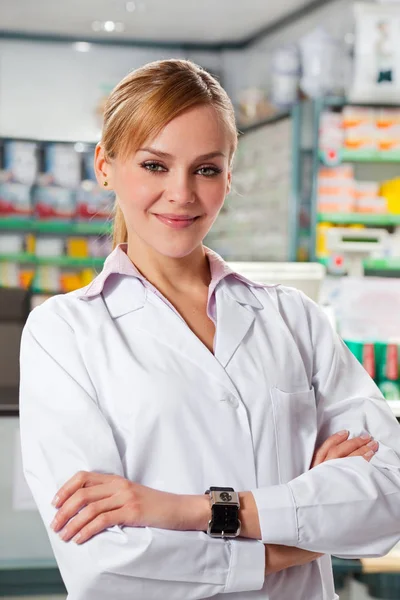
<point x="229" y="182"/>
<point x="102" y="167"/>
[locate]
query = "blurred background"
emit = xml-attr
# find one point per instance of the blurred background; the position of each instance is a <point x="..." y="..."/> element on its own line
<point x="315" y="201"/>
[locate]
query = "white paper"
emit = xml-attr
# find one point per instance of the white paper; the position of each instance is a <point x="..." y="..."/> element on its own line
<point x="22" y="498"/>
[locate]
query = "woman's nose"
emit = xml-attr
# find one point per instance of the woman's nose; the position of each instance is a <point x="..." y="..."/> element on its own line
<point x="181" y="190"/>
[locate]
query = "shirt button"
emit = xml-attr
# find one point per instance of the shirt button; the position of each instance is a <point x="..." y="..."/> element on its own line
<point x="230" y="400"/>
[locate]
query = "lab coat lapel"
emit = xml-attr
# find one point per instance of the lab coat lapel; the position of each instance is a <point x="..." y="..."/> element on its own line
<point x="235" y="316"/>
<point x="127" y="298"/>
<point x="168" y="328"/>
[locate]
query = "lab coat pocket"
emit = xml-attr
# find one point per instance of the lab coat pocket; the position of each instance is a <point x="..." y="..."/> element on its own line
<point x="295" y="422"/>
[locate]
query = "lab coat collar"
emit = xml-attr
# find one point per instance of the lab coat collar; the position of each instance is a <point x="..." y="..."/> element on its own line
<point x="120" y="274"/>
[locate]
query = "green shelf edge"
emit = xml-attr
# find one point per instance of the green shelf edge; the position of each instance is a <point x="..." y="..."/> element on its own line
<point x="19" y="258"/>
<point x="61" y="228"/>
<point x="366" y="156"/>
<point x="359" y="219"/>
<point x="67" y="261"/>
<point x="374" y="264"/>
<point x="55" y="261"/>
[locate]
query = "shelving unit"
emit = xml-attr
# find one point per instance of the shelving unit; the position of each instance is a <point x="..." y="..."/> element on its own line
<point x="334" y="158"/>
<point x="346" y="155"/>
<point x="56" y="227"/>
<point x="374" y="220"/>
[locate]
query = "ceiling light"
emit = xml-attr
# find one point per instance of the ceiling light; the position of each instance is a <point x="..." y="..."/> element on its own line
<point x="82" y="46"/>
<point x="130" y="6"/>
<point x="79" y="147"/>
<point x="97" y="26"/>
<point x="109" y="26"/>
<point x="119" y="27"/>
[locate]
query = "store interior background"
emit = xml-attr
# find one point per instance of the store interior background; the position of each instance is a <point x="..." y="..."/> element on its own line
<point x="316" y="186"/>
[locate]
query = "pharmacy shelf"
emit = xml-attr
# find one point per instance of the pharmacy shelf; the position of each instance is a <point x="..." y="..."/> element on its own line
<point x="56" y="261"/>
<point x="56" y="227"/>
<point x="361" y="156"/>
<point x="378" y="220"/>
<point x="389" y="265"/>
<point x="21" y="257"/>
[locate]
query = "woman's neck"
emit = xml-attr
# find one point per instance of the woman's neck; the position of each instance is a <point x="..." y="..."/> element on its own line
<point x="180" y="275"/>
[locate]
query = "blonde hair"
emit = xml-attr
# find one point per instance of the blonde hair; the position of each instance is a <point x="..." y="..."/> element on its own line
<point x="150" y="97"/>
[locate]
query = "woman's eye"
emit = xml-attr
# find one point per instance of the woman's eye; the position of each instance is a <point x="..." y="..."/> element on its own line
<point x="209" y="171"/>
<point x="153" y="167"/>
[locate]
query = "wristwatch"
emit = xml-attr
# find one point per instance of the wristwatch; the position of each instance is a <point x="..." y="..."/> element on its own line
<point x="225" y="507"/>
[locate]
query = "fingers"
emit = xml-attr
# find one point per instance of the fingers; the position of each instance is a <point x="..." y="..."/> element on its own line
<point x="348" y="447"/>
<point x="79" y="480"/>
<point x="91" y="520"/>
<point x="81" y="498"/>
<point x="99" y="524"/>
<point x="334" y="440"/>
<point x="367" y="451"/>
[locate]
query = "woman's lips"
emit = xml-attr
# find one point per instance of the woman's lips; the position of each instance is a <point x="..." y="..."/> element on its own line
<point x="176" y="222"/>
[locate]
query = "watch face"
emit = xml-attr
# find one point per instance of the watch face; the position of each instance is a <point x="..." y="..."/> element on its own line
<point x="225" y="496"/>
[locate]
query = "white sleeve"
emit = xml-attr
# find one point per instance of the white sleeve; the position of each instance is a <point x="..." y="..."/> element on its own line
<point x="63" y="432"/>
<point x="346" y="507"/>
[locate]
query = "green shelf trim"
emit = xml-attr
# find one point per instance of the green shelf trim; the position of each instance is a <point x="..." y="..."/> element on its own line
<point x="383" y="220"/>
<point x="374" y="264"/>
<point x="369" y="156"/>
<point x="22" y="257"/>
<point x="382" y="264"/>
<point x="57" y="227"/>
<point x="361" y="156"/>
<point x="73" y="228"/>
<point x="9" y="224"/>
<point x="67" y="261"/>
<point x="55" y="261"/>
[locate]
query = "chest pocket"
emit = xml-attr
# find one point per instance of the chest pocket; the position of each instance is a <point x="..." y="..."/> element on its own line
<point x="295" y="424"/>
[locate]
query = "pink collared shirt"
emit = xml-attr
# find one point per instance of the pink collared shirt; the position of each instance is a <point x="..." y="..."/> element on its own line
<point x="118" y="262"/>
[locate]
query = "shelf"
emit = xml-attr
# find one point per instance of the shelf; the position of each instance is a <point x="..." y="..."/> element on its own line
<point x="361" y="156"/>
<point x="382" y="264"/>
<point x="370" y="156"/>
<point x="379" y="220"/>
<point x="390" y="265"/>
<point x="67" y="261"/>
<point x="55" y="261"/>
<point x="278" y="116"/>
<point x="22" y="257"/>
<point x="57" y="227"/>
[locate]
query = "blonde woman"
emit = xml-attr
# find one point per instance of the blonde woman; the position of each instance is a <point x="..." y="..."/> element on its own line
<point x="170" y="374"/>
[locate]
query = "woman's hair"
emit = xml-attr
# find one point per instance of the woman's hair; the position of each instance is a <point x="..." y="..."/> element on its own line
<point x="147" y="99"/>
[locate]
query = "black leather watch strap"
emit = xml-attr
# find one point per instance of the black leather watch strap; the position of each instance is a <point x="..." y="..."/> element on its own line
<point x="225" y="517"/>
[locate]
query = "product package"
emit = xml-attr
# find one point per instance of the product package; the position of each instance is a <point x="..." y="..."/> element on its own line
<point x="368" y="198"/>
<point x="15" y="200"/>
<point x="62" y="165"/>
<point x="335" y="190"/>
<point x="359" y="128"/>
<point x="52" y="202"/>
<point x="21" y="163"/>
<point x="93" y="201"/>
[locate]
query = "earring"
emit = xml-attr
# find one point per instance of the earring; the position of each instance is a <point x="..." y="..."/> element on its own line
<point x="105" y="183"/>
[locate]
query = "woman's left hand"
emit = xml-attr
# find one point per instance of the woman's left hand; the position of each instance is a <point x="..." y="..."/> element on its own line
<point x="92" y="502"/>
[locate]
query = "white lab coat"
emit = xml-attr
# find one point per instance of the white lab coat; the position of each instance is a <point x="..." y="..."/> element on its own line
<point x="117" y="383"/>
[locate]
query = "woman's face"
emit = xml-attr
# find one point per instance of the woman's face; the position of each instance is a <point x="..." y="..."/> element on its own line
<point x="172" y="189"/>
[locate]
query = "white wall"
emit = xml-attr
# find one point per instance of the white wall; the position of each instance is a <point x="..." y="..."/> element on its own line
<point x="50" y="91"/>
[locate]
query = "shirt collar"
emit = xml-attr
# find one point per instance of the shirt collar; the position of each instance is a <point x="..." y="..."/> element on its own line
<point x="119" y="263"/>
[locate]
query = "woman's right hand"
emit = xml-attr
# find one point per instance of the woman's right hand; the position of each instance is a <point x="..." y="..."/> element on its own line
<point x="338" y="445"/>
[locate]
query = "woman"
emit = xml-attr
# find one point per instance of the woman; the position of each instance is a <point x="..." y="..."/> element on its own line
<point x="170" y="373"/>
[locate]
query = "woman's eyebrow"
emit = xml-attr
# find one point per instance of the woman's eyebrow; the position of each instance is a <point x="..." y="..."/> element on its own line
<point x="166" y="155"/>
